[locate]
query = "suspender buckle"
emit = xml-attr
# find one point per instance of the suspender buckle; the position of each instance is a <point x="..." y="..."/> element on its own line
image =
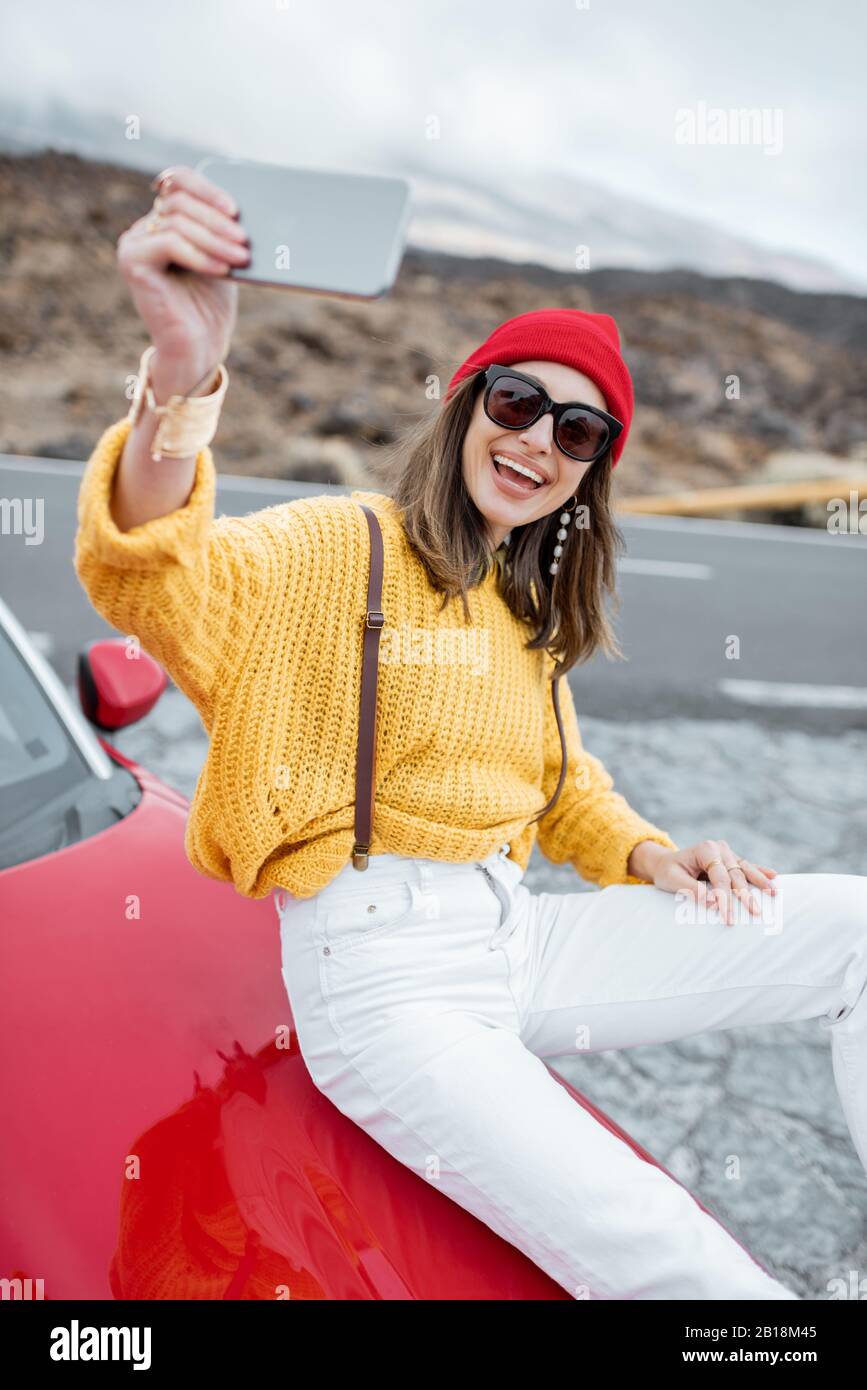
<point x="359" y="856"/>
<point x="375" y="618"/>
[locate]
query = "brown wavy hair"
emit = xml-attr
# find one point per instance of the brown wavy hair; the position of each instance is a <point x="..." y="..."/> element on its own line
<point x="423" y="473"/>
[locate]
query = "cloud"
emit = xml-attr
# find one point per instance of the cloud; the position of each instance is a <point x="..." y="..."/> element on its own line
<point x="515" y="87"/>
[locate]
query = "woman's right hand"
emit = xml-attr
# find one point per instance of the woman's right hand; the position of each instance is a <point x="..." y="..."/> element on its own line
<point x="190" y="317"/>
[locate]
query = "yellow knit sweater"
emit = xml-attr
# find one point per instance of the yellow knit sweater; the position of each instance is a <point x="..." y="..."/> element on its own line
<point x="259" y="620"/>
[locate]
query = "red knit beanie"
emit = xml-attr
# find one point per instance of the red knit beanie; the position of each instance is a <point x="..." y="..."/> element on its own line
<point x="588" y="342"/>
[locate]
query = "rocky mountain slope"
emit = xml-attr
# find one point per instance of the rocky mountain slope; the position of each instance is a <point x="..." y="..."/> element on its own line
<point x="318" y="384"/>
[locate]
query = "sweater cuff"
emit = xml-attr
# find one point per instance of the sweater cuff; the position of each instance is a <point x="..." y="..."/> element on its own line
<point x="177" y="536"/>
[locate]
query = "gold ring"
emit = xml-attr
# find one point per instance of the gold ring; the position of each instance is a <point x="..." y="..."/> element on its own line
<point x="160" y="179"/>
<point x="154" y="222"/>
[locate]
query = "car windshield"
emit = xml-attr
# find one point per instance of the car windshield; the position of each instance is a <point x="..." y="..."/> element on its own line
<point x="49" y="796"/>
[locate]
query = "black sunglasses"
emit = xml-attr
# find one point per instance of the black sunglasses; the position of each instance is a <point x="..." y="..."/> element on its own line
<point x="516" y="402"/>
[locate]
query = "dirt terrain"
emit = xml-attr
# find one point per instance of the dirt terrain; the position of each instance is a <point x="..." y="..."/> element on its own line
<point x="317" y="384"/>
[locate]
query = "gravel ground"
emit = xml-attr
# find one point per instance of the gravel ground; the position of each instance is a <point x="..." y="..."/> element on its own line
<point x="788" y="799"/>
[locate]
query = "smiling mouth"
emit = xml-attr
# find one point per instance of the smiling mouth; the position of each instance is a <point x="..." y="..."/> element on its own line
<point x="519" y="475"/>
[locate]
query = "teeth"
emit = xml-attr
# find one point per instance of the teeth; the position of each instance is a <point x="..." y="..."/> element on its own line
<point x="519" y="467"/>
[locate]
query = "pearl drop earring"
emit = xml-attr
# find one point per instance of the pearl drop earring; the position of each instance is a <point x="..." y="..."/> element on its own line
<point x="565" y="518"/>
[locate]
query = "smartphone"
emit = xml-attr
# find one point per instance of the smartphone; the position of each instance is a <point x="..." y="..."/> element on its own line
<point x="331" y="233"/>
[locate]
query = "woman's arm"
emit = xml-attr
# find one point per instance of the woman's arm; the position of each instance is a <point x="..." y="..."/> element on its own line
<point x="175" y="262"/>
<point x="591" y="825"/>
<point x="190" y="586"/>
<point x="642" y="860"/>
<point x="145" y="487"/>
<point x="185" y="584"/>
<point x="148" y="551"/>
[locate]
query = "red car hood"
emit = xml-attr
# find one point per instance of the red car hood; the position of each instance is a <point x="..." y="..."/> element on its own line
<point x="162" y="1137"/>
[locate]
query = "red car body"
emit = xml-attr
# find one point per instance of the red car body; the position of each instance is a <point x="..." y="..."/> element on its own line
<point x="162" y="1138"/>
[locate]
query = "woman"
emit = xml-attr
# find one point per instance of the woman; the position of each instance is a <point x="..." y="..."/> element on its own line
<point x="427" y="991"/>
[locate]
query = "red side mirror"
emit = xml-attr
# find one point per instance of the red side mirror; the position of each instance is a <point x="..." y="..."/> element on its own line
<point x="118" y="683"/>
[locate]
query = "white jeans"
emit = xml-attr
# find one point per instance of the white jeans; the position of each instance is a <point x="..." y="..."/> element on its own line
<point x="425" y="996"/>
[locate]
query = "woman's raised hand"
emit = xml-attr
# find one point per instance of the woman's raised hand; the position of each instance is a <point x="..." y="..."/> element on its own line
<point x="190" y="317"/>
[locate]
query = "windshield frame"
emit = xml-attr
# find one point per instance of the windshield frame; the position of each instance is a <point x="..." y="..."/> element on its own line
<point x="72" y="719"/>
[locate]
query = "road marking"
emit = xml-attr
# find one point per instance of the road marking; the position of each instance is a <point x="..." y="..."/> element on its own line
<point x="787" y="694"/>
<point x="667" y="569"/>
<point x="737" y="530"/>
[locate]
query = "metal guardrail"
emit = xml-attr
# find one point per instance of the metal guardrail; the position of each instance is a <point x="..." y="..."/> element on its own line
<point x="725" y="499"/>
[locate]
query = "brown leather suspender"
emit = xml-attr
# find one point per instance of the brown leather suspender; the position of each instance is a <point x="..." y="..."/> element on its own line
<point x="555" y="696"/>
<point x="365" y="763"/>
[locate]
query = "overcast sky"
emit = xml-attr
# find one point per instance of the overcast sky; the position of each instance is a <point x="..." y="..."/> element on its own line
<point x="512" y="83"/>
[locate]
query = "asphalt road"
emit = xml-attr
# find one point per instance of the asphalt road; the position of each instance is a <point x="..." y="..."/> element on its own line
<point x="793" y="597"/>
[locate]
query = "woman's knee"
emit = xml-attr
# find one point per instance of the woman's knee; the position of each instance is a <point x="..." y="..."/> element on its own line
<point x="843" y="915"/>
<point x="846" y="899"/>
<point x="824" y="900"/>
